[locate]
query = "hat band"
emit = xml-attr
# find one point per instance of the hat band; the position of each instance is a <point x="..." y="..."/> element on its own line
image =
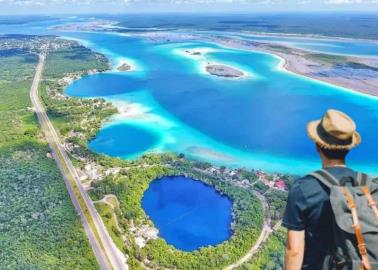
<point x="330" y="139"/>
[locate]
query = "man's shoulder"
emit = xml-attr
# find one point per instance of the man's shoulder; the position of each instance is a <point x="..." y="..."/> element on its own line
<point x="305" y="182"/>
<point x="308" y="186"/>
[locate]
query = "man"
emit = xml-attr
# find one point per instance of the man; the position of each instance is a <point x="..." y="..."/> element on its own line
<point x="308" y="216"/>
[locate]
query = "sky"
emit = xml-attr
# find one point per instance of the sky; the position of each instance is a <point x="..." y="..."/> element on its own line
<point x="9" y="7"/>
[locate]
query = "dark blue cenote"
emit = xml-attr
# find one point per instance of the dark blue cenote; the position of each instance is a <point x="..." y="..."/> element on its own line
<point x="188" y="213"/>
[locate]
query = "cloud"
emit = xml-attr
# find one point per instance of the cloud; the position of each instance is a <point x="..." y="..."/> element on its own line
<point x="350" y="2"/>
<point x="55" y="2"/>
<point x="344" y="2"/>
<point x="178" y="2"/>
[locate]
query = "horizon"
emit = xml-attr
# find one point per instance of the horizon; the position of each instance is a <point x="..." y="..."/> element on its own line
<point x="80" y="7"/>
<point x="215" y="13"/>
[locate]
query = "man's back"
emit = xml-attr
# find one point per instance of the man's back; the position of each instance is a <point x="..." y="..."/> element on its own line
<point x="309" y="209"/>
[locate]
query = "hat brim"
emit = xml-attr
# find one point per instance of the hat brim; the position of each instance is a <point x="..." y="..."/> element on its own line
<point x="313" y="134"/>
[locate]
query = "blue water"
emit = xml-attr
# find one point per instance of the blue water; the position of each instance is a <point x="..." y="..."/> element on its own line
<point x="113" y="137"/>
<point x="256" y="122"/>
<point x="261" y="117"/>
<point x="329" y="46"/>
<point x="169" y="104"/>
<point x="188" y="213"/>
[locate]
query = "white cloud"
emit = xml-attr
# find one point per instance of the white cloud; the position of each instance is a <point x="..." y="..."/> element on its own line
<point x="344" y="2"/>
<point x="126" y="2"/>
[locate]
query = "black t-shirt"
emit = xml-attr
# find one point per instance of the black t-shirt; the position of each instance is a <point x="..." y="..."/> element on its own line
<point x="308" y="208"/>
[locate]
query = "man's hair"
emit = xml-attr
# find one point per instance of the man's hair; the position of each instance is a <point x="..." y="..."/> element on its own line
<point x="334" y="154"/>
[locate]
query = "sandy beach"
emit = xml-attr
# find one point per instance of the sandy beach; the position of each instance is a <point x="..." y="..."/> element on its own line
<point x="125" y="65"/>
<point x="210" y="67"/>
<point x="353" y="73"/>
<point x="358" y="74"/>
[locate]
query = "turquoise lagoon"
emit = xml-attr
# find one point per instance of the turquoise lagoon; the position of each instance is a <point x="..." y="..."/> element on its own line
<point x="168" y="103"/>
<point x="256" y="122"/>
<point x="112" y="137"/>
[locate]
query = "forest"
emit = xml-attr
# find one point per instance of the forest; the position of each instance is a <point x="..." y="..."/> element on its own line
<point x="270" y="257"/>
<point x="39" y="228"/>
<point x="129" y="187"/>
<point x="85" y="116"/>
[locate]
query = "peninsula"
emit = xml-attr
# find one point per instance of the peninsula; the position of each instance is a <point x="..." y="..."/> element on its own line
<point x="352" y="72"/>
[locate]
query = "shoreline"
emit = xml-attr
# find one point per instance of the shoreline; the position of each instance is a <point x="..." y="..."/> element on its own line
<point x="256" y="160"/>
<point x="362" y="79"/>
<point x="213" y="68"/>
<point x="308" y="36"/>
<point x="122" y="64"/>
<point x="296" y="62"/>
<point x="287" y="66"/>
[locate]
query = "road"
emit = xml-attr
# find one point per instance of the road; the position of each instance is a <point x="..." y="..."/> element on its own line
<point x="107" y="254"/>
<point x="266" y="231"/>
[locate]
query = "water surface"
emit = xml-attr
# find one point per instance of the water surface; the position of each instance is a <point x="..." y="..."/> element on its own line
<point x="188" y="213"/>
<point x="256" y="122"/>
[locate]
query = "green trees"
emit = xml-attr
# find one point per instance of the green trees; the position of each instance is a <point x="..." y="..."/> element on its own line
<point x="129" y="187"/>
<point x="39" y="228"/>
<point x="270" y="256"/>
<point x="85" y="116"/>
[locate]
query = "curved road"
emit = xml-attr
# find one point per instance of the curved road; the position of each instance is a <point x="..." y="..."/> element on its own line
<point x="107" y="254"/>
<point x="266" y="231"/>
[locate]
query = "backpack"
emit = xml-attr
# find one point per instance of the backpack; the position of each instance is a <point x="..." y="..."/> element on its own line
<point x="354" y="205"/>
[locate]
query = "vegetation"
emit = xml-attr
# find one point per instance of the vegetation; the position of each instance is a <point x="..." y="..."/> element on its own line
<point x="277" y="202"/>
<point x="39" y="228"/>
<point x="351" y="25"/>
<point x="327" y="59"/>
<point x="73" y="59"/>
<point x="73" y="114"/>
<point x="79" y="119"/>
<point x="270" y="257"/>
<point x="107" y="214"/>
<point x="129" y="187"/>
<point x="340" y="62"/>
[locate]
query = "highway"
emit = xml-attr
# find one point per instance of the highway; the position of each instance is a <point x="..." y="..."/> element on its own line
<point x="107" y="254"/>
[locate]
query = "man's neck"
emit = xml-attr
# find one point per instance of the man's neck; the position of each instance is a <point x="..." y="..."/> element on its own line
<point x="333" y="163"/>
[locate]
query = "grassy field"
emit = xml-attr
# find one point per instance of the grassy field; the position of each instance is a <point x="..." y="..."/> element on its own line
<point x="39" y="228"/>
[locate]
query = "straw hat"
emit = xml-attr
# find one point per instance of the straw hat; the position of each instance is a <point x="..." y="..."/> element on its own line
<point x="335" y="130"/>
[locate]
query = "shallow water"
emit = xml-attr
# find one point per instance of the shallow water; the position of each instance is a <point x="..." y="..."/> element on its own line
<point x="241" y="122"/>
<point x="111" y="140"/>
<point x="255" y="122"/>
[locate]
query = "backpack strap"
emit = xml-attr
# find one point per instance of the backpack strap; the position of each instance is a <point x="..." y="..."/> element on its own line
<point x="325" y="178"/>
<point x="363" y="179"/>
<point x="357" y="229"/>
<point x="370" y="199"/>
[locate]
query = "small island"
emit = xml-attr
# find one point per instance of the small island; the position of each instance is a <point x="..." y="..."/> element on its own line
<point x="194" y="53"/>
<point x="124" y="67"/>
<point x="223" y="71"/>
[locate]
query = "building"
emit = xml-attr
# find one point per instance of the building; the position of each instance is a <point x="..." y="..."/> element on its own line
<point x="280" y="184"/>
